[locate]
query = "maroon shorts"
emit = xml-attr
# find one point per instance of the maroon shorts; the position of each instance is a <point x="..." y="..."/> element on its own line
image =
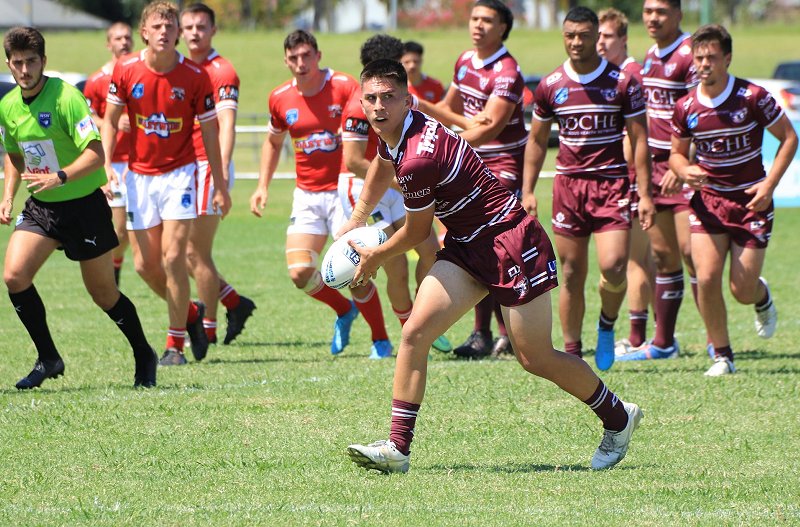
<point x="516" y="265"/>
<point x="634" y="194"/>
<point x="507" y="168"/>
<point x="583" y="205"/>
<point x="727" y="214"/>
<point x="676" y="202"/>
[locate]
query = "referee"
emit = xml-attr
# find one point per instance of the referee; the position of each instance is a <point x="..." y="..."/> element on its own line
<point x="49" y="134"/>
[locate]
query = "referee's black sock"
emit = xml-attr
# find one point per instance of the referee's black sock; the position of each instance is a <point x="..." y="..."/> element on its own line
<point x="30" y="310"/>
<point x="124" y="315"/>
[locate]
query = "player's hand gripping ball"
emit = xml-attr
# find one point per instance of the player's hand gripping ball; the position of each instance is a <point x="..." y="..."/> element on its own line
<point x="341" y="260"/>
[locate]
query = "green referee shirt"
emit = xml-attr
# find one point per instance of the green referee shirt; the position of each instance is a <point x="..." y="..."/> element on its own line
<point x="50" y="133"/>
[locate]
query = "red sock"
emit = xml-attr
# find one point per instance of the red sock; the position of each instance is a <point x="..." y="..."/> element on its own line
<point x="402" y="316"/>
<point x="608" y="408"/>
<point x="638" y="327"/>
<point x="370" y="307"/>
<point x="228" y="295"/>
<point x="175" y="338"/>
<point x="329" y="296"/>
<point x="404" y="417"/>
<point x="210" y="327"/>
<point x="574" y="348"/>
<point x="191" y="318"/>
<point x="118" y="262"/>
<point x="669" y="295"/>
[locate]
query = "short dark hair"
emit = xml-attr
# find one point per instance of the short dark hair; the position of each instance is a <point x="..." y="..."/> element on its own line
<point x="297" y="37"/>
<point x="506" y="16"/>
<point x="673" y="3"/>
<point x="381" y="46"/>
<point x="713" y="33"/>
<point x="23" y="39"/>
<point x="582" y="14"/>
<point x="385" y="69"/>
<point x="413" y="47"/>
<point x="199" y="7"/>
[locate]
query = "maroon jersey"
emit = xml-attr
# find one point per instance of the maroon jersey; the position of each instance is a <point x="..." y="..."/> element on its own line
<point x="667" y="75"/>
<point x="498" y="76"/>
<point x="728" y="132"/>
<point x="591" y="111"/>
<point x="436" y="167"/>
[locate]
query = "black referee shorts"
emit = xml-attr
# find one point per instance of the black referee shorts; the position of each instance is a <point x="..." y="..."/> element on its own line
<point x="83" y="226"/>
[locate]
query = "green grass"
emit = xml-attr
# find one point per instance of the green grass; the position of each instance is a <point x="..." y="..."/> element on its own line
<point x="255" y="435"/>
<point x="258" y="58"/>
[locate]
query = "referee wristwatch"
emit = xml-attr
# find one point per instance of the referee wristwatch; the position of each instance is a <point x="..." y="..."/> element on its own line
<point x="62" y="176"/>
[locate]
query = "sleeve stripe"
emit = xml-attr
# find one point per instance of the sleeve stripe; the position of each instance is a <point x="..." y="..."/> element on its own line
<point x="208" y="116"/>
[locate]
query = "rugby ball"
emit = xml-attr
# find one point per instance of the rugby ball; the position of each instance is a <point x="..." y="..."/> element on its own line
<point x="341" y="260"/>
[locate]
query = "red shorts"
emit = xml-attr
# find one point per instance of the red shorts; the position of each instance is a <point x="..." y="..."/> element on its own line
<point x="507" y="168"/>
<point x="726" y="214"/>
<point x="583" y="205"/>
<point x="515" y="266"/>
<point x="677" y="202"/>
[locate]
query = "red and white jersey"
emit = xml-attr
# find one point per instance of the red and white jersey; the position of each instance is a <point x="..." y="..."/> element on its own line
<point x="315" y="125"/>
<point x="667" y="75"/>
<point x="96" y="91"/>
<point x="435" y="167"/>
<point x="162" y="108"/>
<point x="728" y="132"/>
<point x="429" y="89"/>
<point x="356" y="127"/>
<point x="225" y="83"/>
<point x="591" y="110"/>
<point x="498" y="76"/>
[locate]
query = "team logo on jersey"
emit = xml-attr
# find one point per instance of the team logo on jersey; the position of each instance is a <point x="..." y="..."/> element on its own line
<point x="616" y="74"/>
<point x="609" y="94"/>
<point x="562" y="94"/>
<point x="85" y="126"/>
<point x="669" y="69"/>
<point x="739" y="116"/>
<point x="692" y="120"/>
<point x="208" y="102"/>
<point x="137" y="92"/>
<point x="178" y="94"/>
<point x="228" y="93"/>
<point x="647" y="65"/>
<point x="744" y="92"/>
<point x="186" y="200"/>
<point x="484" y="82"/>
<point x="318" y="141"/>
<point x="112" y="88"/>
<point x="462" y="72"/>
<point x="513" y="271"/>
<point x="554" y="78"/>
<point x="159" y="124"/>
<point x="498" y="66"/>
<point x="45" y="119"/>
<point x="34" y="153"/>
<point x="685" y="49"/>
<point x="292" y="116"/>
<point x="335" y="110"/>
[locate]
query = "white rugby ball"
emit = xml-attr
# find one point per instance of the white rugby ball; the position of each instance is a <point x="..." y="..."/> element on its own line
<point x="341" y="260"/>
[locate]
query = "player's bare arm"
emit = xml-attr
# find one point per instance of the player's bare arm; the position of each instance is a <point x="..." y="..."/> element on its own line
<point x="270" y="155"/>
<point x="498" y="112"/>
<point x="108" y="134"/>
<point x="680" y="166"/>
<point x="219" y="172"/>
<point x="355" y="160"/>
<point x="379" y="178"/>
<point x="762" y="191"/>
<point x="12" y="179"/>
<point x="87" y="162"/>
<point x="414" y="231"/>
<point x="226" y="118"/>
<point x="637" y="136"/>
<point x="535" y="152"/>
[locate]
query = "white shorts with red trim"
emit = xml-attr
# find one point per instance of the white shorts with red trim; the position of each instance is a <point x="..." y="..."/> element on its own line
<point x="153" y="199"/>
<point x="316" y="213"/>
<point x="205" y="189"/>
<point x="388" y="210"/>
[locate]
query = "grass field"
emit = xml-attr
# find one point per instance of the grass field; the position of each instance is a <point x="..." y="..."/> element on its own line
<point x="255" y="435"/>
<point x="258" y="58"/>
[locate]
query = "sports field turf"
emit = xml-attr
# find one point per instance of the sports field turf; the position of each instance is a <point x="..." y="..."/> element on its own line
<point x="256" y="434"/>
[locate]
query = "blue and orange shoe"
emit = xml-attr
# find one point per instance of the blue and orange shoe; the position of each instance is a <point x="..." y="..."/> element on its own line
<point x="651" y="351"/>
<point x="341" y="330"/>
